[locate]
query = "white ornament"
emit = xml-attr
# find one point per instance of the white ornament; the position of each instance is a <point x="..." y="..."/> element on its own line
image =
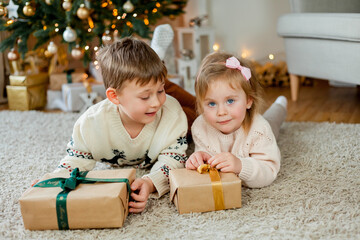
<point x="162" y="38"/>
<point x="52" y="48"/>
<point x="69" y="35"/>
<point x="12" y="10"/>
<point x="67" y="5"/>
<point x="128" y="6"/>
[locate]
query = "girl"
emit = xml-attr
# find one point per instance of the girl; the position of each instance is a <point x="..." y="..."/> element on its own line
<point x="230" y="134"/>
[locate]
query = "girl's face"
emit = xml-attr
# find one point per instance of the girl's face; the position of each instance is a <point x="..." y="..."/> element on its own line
<point x="225" y="107"/>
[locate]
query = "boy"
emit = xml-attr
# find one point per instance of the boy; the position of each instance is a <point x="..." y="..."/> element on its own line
<point x="138" y="124"/>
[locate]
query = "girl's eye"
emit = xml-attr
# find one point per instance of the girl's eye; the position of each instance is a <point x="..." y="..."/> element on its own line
<point x="230" y="101"/>
<point x="161" y="91"/>
<point x="212" y="104"/>
<point x="145" y="98"/>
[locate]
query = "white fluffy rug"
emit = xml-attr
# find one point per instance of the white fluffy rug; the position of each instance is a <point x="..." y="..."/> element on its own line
<point x="316" y="195"/>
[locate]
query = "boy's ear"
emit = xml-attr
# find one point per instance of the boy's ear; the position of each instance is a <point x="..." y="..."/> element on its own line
<point x="112" y="96"/>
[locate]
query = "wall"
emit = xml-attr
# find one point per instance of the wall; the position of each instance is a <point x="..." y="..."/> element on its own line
<point x="243" y="26"/>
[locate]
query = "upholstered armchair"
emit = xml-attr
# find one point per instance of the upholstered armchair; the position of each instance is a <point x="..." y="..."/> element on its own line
<point x="322" y="40"/>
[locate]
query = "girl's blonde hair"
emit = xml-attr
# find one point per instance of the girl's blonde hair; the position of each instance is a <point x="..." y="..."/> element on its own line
<point x="127" y="60"/>
<point x="213" y="69"/>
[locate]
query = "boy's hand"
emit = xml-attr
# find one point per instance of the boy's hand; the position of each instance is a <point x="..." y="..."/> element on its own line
<point x="226" y="162"/>
<point x="196" y="159"/>
<point x="34" y="182"/>
<point x="141" y="189"/>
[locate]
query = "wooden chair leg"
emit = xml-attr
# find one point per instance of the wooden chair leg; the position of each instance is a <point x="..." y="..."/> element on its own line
<point x="294" y="86"/>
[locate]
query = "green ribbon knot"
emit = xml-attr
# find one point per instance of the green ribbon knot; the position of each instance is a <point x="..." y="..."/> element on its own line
<point x="69" y="184"/>
<point x="68" y="75"/>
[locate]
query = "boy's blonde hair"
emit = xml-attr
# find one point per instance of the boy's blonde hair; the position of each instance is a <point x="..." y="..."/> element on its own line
<point x="213" y="69"/>
<point x="127" y="60"/>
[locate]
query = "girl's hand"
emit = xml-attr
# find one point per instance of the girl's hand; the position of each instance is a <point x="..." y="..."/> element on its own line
<point x="226" y="162"/>
<point x="141" y="189"/>
<point x="196" y="159"/>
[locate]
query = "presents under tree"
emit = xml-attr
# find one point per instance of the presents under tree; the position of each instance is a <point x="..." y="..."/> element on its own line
<point x="27" y="92"/>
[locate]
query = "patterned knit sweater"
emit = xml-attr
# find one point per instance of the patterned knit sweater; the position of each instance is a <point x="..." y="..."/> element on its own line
<point x="257" y="151"/>
<point x="99" y="135"/>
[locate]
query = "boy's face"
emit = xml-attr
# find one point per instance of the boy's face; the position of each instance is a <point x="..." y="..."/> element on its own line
<point x="224" y="108"/>
<point x="139" y="104"/>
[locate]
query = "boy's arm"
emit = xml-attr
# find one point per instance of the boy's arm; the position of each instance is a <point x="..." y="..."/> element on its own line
<point x="78" y="154"/>
<point x="170" y="158"/>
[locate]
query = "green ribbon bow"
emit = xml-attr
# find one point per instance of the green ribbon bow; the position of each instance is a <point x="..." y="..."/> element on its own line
<point x="69" y="184"/>
<point x="68" y="75"/>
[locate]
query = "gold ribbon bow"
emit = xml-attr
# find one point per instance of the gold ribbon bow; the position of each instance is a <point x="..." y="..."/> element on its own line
<point x="216" y="184"/>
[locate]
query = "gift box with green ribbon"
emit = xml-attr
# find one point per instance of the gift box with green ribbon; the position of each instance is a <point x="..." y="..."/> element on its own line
<point x="204" y="191"/>
<point x="94" y="199"/>
<point x="69" y="76"/>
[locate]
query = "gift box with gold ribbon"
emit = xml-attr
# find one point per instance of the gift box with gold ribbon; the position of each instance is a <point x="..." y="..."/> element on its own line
<point x="204" y="191"/>
<point x="71" y="76"/>
<point x="94" y="199"/>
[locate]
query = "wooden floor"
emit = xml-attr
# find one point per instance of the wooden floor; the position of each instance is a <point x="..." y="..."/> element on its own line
<point x="318" y="103"/>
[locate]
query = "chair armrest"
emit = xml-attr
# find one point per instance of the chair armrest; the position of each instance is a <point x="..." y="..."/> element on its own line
<point x="331" y="6"/>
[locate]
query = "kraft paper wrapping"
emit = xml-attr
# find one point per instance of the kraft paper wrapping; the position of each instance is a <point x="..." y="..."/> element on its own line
<point x="191" y="191"/>
<point x="58" y="79"/>
<point x="26" y="97"/>
<point x="98" y="205"/>
<point x="29" y="80"/>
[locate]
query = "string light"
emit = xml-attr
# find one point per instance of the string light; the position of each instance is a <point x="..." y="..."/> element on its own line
<point x="146" y="21"/>
<point x="56" y="29"/>
<point x="158" y="4"/>
<point x="115" y="12"/>
<point x="244" y="55"/>
<point x="216" y="47"/>
<point x="89" y="29"/>
<point x="113" y="26"/>
<point x="96" y="48"/>
<point x="271" y="56"/>
<point x="154" y="10"/>
<point x="135" y="15"/>
<point x="44" y="27"/>
<point x="118" y="17"/>
<point x="87" y="47"/>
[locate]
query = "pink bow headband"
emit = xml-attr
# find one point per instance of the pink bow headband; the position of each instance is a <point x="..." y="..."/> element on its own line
<point x="234" y="63"/>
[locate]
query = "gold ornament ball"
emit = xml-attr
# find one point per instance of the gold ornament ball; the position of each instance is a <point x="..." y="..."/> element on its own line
<point x="83" y="12"/>
<point x="48" y="54"/>
<point x="13" y="55"/>
<point x="77" y="53"/>
<point x="29" y="10"/>
<point x="3" y="10"/>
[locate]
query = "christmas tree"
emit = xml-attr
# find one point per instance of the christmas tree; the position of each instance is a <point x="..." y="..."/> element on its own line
<point x="80" y="22"/>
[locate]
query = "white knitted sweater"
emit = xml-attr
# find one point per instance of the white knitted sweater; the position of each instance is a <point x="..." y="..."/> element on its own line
<point x="257" y="151"/>
<point x="99" y="135"/>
